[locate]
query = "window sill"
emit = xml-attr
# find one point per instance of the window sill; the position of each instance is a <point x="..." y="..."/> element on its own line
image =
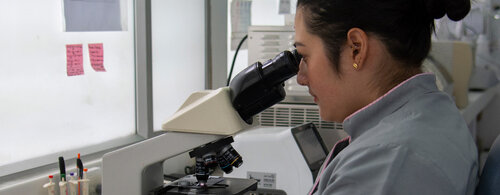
<point x="21" y="172"/>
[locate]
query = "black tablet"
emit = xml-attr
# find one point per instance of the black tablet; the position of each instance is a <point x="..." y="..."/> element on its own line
<point x="311" y="145"/>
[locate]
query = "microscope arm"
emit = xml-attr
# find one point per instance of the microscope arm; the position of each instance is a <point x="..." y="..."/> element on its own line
<point x="137" y="169"/>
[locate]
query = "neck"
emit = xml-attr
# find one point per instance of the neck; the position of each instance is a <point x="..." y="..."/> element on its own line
<point x="395" y="77"/>
<point x="385" y="76"/>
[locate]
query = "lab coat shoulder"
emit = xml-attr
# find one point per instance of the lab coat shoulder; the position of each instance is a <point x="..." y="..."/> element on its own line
<point x="386" y="169"/>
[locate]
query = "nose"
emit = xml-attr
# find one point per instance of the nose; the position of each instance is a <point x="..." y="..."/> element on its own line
<point x="302" y="74"/>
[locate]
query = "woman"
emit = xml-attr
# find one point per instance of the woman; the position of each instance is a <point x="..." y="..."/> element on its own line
<point x="361" y="62"/>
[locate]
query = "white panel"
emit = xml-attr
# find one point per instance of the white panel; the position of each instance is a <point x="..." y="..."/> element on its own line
<point x="264" y="12"/>
<point x="42" y="110"/>
<point x="178" y="33"/>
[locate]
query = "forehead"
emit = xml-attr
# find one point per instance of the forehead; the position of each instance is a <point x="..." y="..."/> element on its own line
<point x="301" y="33"/>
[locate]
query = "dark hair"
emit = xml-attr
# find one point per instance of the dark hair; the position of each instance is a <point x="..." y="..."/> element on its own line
<point x="404" y="26"/>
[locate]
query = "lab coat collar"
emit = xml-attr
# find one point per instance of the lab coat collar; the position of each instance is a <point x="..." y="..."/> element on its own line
<point x="370" y="115"/>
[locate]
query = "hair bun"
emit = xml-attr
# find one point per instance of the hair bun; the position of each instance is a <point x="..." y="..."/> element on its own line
<point x="455" y="9"/>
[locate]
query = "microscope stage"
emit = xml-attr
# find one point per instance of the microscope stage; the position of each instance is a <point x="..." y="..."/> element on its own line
<point x="215" y="186"/>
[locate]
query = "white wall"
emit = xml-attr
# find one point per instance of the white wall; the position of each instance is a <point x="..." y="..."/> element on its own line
<point x="178" y="39"/>
<point x="42" y="110"/>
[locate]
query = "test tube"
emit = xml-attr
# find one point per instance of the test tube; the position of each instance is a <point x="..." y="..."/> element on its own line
<point x="63" y="190"/>
<point x="50" y="186"/>
<point x="85" y="183"/>
<point x="73" y="184"/>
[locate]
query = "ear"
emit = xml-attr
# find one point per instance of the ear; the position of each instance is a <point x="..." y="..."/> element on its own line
<point x="357" y="42"/>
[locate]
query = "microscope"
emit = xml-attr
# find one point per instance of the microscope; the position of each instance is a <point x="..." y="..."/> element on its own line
<point x="203" y="126"/>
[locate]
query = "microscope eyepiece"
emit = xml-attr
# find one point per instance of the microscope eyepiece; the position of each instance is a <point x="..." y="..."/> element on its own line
<point x="260" y="86"/>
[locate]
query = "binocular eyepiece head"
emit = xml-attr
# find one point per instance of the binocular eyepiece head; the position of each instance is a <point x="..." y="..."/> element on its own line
<point x="260" y="86"/>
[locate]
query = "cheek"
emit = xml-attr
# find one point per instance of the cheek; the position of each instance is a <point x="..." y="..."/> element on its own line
<point x="332" y="101"/>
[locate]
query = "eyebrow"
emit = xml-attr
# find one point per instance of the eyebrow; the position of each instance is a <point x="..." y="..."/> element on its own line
<point x="298" y="44"/>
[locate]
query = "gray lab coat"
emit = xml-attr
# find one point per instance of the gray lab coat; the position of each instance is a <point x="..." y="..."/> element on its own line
<point x="412" y="140"/>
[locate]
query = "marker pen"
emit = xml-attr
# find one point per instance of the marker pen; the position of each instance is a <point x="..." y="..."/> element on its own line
<point x="62" y="168"/>
<point x="79" y="167"/>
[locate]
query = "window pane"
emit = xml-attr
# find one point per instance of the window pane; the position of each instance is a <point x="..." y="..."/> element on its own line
<point x="43" y="110"/>
<point x="178" y="39"/>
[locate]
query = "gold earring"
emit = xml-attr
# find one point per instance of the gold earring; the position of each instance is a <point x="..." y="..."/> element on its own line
<point x="355" y="66"/>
